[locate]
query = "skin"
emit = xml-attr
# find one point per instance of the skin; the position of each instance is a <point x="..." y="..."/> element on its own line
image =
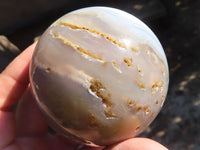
<point x="26" y="129"/>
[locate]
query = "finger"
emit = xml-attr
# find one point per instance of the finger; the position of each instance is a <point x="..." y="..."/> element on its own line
<point x="92" y="148"/>
<point x="59" y="142"/>
<point x="29" y="121"/>
<point x="14" y="79"/>
<point x="137" y="144"/>
<point x="7" y="128"/>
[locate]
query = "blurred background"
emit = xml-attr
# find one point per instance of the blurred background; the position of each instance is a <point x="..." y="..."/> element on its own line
<point x="175" y="22"/>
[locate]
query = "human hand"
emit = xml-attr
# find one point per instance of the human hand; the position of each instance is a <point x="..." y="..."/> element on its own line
<point x="25" y="128"/>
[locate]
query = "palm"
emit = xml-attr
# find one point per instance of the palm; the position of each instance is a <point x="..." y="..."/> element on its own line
<point x="31" y="129"/>
<point x="25" y="128"/>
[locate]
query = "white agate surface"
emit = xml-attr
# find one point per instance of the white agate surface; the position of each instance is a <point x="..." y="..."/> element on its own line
<point x="99" y="75"/>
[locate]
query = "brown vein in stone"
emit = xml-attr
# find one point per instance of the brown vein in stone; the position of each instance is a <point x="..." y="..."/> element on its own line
<point x="75" y="46"/>
<point x="139" y="70"/>
<point x="128" y="61"/>
<point x="134" y="49"/>
<point x="101" y="91"/>
<point x="116" y="66"/>
<point x="147" y="110"/>
<point x="156" y="85"/>
<point x="75" y="27"/>
<point x="109" y="113"/>
<point x="92" y="120"/>
<point x="162" y="68"/>
<point x="154" y="57"/>
<point x="140" y="84"/>
<point x="130" y="103"/>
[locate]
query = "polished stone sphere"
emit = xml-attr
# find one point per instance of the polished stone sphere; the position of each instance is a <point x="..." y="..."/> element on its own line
<point x="99" y="75"/>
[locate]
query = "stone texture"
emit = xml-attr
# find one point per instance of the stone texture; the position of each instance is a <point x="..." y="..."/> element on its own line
<point x="110" y="81"/>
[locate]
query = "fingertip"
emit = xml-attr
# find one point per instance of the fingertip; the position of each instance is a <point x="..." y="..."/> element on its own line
<point x="137" y="144"/>
<point x="15" y="78"/>
<point x="29" y="120"/>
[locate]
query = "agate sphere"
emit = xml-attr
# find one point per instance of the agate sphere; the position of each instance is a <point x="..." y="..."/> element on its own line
<point x="99" y="75"/>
